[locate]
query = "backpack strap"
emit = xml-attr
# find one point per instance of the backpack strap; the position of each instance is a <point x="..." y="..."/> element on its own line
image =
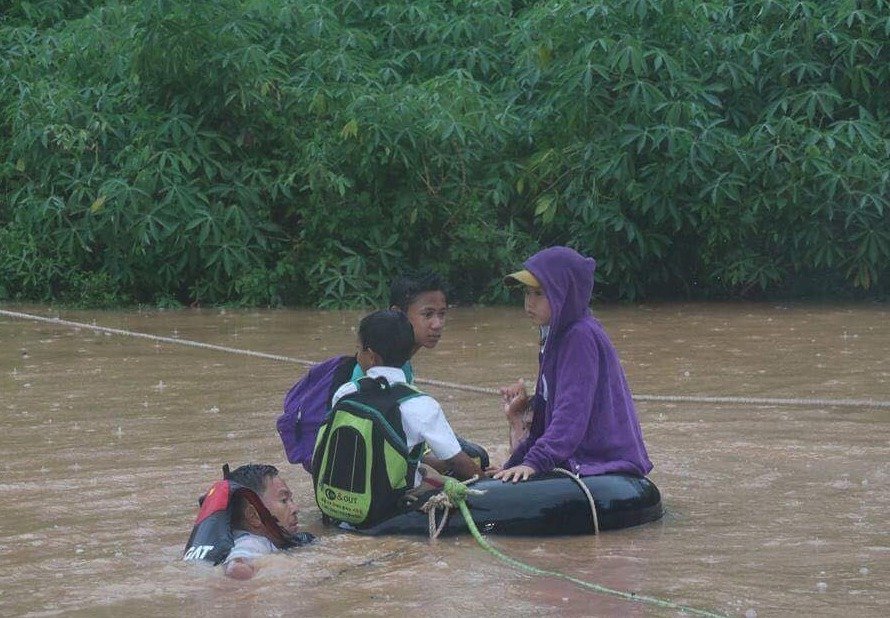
<point x="342" y="374"/>
<point x="387" y="399"/>
<point x="399" y="393"/>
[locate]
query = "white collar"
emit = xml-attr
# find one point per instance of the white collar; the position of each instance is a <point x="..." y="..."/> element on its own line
<point x="393" y="375"/>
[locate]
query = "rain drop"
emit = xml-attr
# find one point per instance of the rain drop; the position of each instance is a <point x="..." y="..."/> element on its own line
<point x="821" y="586"/>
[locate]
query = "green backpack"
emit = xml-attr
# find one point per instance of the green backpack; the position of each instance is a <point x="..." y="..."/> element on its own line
<point x="361" y="466"/>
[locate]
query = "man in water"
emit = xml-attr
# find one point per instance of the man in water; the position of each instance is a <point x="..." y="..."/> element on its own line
<point x="252" y="539"/>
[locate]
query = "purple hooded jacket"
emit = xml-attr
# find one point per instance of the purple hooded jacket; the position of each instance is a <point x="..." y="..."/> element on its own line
<point x="584" y="416"/>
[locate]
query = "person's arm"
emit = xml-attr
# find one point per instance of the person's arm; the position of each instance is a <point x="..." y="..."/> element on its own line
<point x="240" y="563"/>
<point x="536" y="405"/>
<point x="435" y="463"/>
<point x="463" y="467"/>
<point x="240" y="568"/>
<point x="517" y="410"/>
<point x="576" y="381"/>
<point x="424" y="419"/>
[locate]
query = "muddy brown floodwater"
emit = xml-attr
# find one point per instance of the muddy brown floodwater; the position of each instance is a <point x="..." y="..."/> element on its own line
<point x="772" y="510"/>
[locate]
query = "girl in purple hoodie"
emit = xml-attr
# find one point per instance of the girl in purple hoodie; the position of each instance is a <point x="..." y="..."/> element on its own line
<point x="582" y="413"/>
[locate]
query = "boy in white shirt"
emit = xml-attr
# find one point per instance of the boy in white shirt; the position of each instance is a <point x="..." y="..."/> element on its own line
<point x="385" y="342"/>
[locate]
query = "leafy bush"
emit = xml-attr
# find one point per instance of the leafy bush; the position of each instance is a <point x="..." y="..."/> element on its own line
<point x="260" y="152"/>
<point x="735" y="145"/>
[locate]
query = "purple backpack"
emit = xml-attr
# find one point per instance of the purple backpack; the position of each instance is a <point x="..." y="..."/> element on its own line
<point x="307" y="404"/>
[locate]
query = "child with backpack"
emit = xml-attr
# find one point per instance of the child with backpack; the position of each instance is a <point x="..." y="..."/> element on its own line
<point x="367" y="457"/>
<point x="422" y="298"/>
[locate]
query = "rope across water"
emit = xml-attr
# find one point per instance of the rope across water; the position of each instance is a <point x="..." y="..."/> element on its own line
<point x="774" y="401"/>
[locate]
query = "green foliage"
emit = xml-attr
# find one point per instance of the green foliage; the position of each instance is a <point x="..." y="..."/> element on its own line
<point x="126" y="176"/>
<point x="730" y="145"/>
<point x="265" y="152"/>
<point x="42" y="13"/>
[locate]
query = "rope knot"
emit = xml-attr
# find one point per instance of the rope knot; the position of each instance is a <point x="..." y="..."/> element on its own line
<point x="455" y="491"/>
<point x="453" y="495"/>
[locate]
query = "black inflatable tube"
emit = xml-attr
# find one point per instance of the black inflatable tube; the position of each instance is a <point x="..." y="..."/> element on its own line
<point x="545" y="505"/>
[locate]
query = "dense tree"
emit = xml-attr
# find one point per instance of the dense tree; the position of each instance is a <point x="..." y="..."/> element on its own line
<point x="268" y="151"/>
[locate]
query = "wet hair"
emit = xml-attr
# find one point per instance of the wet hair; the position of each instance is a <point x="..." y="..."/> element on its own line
<point x="406" y="288"/>
<point x="389" y="334"/>
<point x="253" y="477"/>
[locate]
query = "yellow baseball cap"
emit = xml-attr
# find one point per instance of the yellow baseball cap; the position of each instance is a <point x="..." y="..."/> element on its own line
<point x="524" y="277"/>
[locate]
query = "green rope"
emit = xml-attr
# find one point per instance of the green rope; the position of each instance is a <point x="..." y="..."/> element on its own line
<point x="457" y="493"/>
